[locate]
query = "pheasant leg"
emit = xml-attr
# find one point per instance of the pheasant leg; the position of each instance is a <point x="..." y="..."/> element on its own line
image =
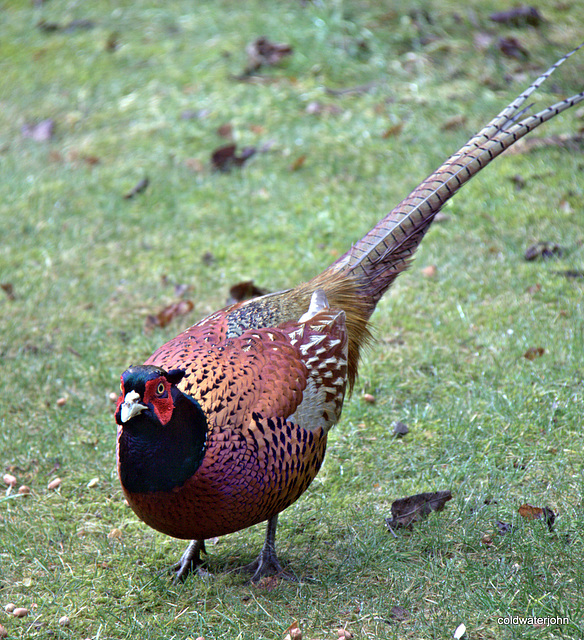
<point x="190" y="561"/>
<point x="267" y="563"/>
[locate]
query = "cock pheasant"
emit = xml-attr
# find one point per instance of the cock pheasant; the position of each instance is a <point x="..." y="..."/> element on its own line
<point x="226" y="425"/>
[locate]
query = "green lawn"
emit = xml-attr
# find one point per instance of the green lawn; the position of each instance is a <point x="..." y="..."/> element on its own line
<point x="140" y="89"/>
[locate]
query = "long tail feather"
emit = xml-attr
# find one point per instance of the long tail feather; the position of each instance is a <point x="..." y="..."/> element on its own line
<point x="383" y="253"/>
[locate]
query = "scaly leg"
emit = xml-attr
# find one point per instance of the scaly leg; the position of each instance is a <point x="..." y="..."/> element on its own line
<point x="190" y="560"/>
<point x="267" y="563"/>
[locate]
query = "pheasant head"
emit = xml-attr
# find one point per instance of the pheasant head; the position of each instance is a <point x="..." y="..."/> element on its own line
<point x="162" y="432"/>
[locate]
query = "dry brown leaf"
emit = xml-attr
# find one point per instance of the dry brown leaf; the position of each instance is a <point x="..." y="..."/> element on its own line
<point x="8" y="290"/>
<point x="529" y="512"/>
<point x="244" y="291"/>
<point x="534" y="352"/>
<point x="224" y="158"/>
<point x="394" y="130"/>
<point x="168" y="314"/>
<point x="406" y="511"/>
<point x="298" y="163"/>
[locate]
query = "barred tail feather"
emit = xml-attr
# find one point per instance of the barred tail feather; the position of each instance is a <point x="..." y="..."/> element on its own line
<point x="385" y="251"/>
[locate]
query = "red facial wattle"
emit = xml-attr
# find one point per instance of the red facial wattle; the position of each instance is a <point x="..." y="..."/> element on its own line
<point x="158" y="396"/>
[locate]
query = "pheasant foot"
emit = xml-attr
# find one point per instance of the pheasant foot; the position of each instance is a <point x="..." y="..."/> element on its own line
<point x="267" y="563"/>
<point x="190" y="561"/>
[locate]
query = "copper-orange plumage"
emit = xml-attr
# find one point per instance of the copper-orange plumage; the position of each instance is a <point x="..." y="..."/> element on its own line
<point x="226" y="425"/>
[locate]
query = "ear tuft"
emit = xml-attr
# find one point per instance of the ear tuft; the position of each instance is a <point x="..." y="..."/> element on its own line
<point x="174" y="376"/>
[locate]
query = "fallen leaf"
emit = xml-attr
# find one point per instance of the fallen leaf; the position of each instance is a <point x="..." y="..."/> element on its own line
<point x="543" y="250"/>
<point x="523" y="16"/>
<point x="40" y="132"/>
<point x="224" y="158"/>
<point x="262" y="52"/>
<point x="503" y="527"/>
<point x="400" y="429"/>
<point x="512" y="48"/>
<point x="244" y="291"/>
<point x="399" y="613"/>
<point x="529" y="512"/>
<point x="8" y="290"/>
<point x="394" y="130"/>
<point x="138" y="188"/>
<point x="406" y="511"/>
<point x="298" y="163"/>
<point x="534" y="352"/>
<point x="168" y="314"/>
<point x="533" y="289"/>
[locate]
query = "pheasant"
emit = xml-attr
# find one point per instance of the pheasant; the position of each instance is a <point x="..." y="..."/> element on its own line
<point x="226" y="425"/>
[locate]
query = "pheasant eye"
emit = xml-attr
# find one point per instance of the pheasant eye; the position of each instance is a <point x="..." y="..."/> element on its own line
<point x="160" y="389"/>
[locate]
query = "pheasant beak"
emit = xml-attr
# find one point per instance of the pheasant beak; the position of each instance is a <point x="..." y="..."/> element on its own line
<point x="131" y="407"/>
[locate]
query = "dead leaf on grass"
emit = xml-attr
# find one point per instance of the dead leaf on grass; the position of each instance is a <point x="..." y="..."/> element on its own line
<point x="534" y="352"/>
<point x="244" y="291"/>
<point x="298" y="163"/>
<point x="136" y="189"/>
<point x="169" y="313"/>
<point x="523" y="16"/>
<point x="512" y="48"/>
<point x="400" y="429"/>
<point x="394" y="130"/>
<point x="503" y="527"/>
<point x="224" y="158"/>
<point x="529" y="512"/>
<point x="8" y="290"/>
<point x="399" y="613"/>
<point x="543" y="250"/>
<point x="262" y="52"/>
<point x="406" y="511"/>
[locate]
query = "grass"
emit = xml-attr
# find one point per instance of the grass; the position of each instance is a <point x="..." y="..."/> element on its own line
<point x="86" y="266"/>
